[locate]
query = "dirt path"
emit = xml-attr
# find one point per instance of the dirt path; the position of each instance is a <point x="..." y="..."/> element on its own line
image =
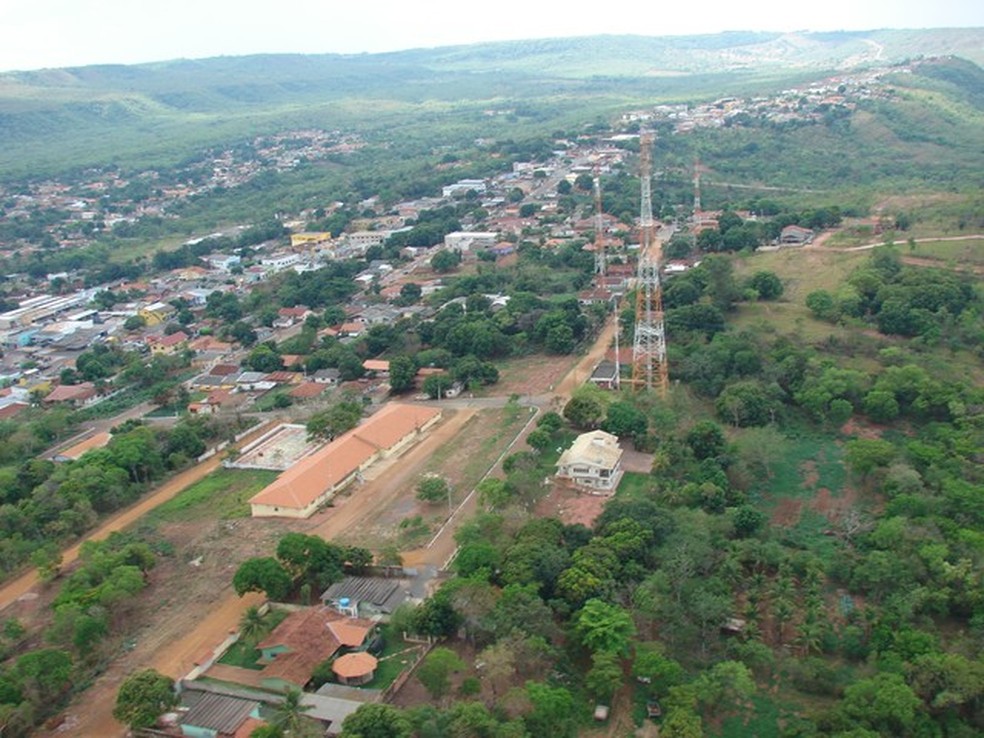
<point x="817" y="245"/>
<point x="10" y="591"/>
<point x="443" y="546"/>
<point x="92" y="716"/>
<point x="582" y="370"/>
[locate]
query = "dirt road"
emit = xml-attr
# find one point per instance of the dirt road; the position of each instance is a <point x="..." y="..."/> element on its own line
<point x="443" y="545"/>
<point x="92" y="717"/>
<point x="10" y="591"/>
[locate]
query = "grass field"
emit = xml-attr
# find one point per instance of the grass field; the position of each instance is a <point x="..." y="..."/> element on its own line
<point x="225" y="492"/>
<point x="959" y="253"/>
<point x="634" y="485"/>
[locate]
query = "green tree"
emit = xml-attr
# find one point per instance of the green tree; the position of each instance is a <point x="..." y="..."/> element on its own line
<point x="376" y="720"/>
<point x="403" y="373"/>
<point x="436" y="670"/>
<point x="262" y="574"/>
<point x="604" y="677"/>
<point x="289" y="716"/>
<point x="602" y="626"/>
<point x="585" y="411"/>
<point x="822" y="304"/>
<point x="433" y="489"/>
<point x="251" y="625"/>
<point x="264" y="359"/>
<point x="553" y="712"/>
<point x="437" y="385"/>
<point x="445" y="260"/>
<point x="625" y="420"/>
<point x="539" y="439"/>
<point x="766" y="284"/>
<point x="884" y="703"/>
<point x="143" y="697"/>
<point x="336" y="420"/>
<point x="706" y="439"/>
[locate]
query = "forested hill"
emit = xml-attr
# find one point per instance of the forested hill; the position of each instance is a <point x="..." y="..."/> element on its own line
<point x="58" y="118"/>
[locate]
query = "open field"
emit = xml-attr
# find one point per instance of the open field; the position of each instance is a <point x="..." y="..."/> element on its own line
<point x="462" y="461"/>
<point x="222" y="495"/>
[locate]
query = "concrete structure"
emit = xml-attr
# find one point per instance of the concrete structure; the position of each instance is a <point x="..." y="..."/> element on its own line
<point x="605" y="375"/>
<point x="314" y="481"/>
<point x="462" y="186"/>
<point x="594" y="462"/>
<point x="467" y="241"/>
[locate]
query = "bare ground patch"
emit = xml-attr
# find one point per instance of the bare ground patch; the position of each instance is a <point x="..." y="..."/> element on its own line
<point x="810" y="474"/>
<point x="571" y="506"/>
<point x="787" y="512"/>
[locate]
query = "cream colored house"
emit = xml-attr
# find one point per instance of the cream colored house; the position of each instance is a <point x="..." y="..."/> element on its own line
<point x="594" y="462"/>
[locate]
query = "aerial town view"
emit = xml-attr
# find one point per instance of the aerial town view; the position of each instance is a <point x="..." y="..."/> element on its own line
<point x="595" y="376"/>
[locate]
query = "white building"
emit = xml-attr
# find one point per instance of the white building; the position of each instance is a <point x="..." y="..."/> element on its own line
<point x="280" y="261"/>
<point x="462" y="186"/>
<point x="594" y="462"/>
<point x="466" y="241"/>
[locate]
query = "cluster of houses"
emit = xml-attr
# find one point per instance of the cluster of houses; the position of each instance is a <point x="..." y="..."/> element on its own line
<point x="342" y="630"/>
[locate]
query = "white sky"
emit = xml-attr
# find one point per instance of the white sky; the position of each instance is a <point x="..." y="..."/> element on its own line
<point x="55" y="33"/>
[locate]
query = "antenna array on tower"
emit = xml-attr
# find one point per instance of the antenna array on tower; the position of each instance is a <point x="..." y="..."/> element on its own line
<point x="649" y="369"/>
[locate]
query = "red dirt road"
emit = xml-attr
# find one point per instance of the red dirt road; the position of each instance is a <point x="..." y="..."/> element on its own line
<point x="91" y="715"/>
<point x="10" y="591"/>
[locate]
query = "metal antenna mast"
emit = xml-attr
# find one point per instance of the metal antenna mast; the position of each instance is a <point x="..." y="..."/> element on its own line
<point x="599" y="241"/>
<point x="649" y="368"/>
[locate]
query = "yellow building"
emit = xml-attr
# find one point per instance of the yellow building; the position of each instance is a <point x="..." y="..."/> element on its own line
<point x="309" y="238"/>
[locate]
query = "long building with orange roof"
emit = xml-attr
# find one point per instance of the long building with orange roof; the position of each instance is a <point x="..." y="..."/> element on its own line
<point x="314" y="480"/>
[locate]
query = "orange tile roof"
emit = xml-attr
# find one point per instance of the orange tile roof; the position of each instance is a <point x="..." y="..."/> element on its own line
<point x="9" y="411"/>
<point x="71" y="392"/>
<point x="376" y="365"/>
<point x="309" y="637"/>
<point x="307" y="390"/>
<point x="312" y="476"/>
<point x="353" y="665"/>
<point x="249" y="725"/>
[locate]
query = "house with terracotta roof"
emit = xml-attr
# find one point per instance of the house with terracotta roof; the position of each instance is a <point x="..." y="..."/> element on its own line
<point x="303" y="640"/>
<point x="379" y="367"/>
<point x="308" y="390"/>
<point x="314" y="480"/>
<point x="167" y="345"/>
<point x="72" y="394"/>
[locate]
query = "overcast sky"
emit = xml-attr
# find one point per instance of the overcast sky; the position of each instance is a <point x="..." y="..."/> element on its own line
<point x="56" y="33"/>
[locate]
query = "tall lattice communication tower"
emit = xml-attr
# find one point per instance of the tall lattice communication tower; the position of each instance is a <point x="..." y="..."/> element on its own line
<point x="696" y="189"/>
<point x="599" y="242"/>
<point x="649" y="368"/>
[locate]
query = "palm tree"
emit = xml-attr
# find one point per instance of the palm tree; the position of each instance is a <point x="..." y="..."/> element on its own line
<point x="290" y="714"/>
<point x="251" y="626"/>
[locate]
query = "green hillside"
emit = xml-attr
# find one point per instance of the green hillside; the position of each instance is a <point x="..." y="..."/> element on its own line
<point x="58" y="119"/>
